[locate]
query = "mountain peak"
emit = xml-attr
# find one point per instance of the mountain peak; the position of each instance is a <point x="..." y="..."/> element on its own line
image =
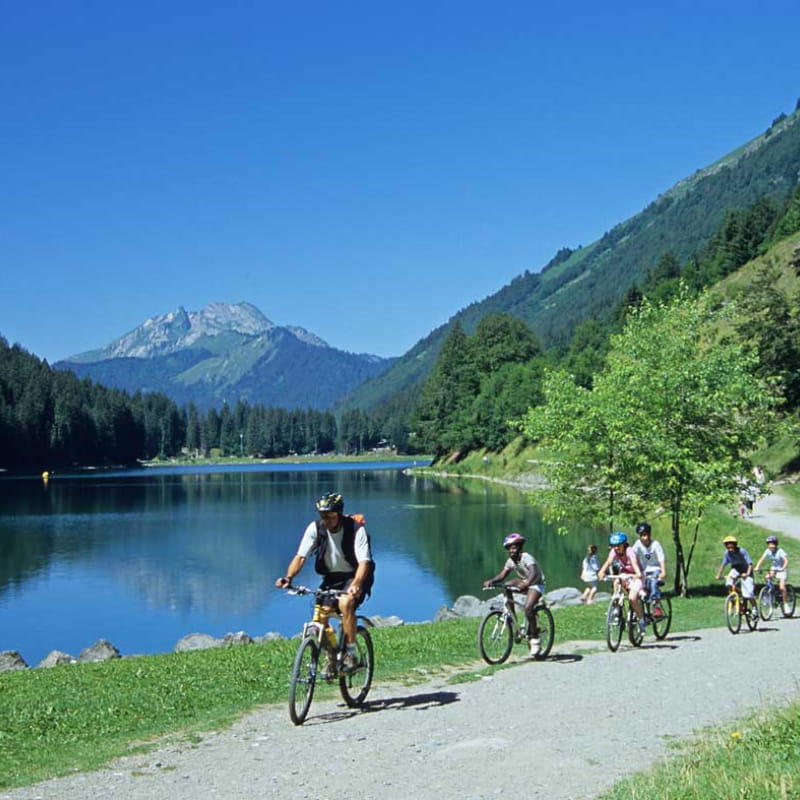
<point x="218" y="318"/>
<point x="179" y="330"/>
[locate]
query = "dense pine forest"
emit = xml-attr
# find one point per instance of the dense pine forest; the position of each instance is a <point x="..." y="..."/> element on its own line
<point x="51" y="418"/>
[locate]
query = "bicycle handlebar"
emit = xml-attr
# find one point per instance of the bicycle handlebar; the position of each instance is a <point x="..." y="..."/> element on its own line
<point x="303" y="590"/>
<point x="506" y="586"/>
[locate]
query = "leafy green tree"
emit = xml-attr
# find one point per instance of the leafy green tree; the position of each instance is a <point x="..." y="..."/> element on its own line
<point x="667" y="428"/>
<point x="502" y="339"/>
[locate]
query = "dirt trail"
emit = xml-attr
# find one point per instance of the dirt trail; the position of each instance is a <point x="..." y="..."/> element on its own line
<point x="545" y="729"/>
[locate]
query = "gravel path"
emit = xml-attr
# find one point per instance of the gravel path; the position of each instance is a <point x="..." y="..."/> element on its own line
<point x="452" y="742"/>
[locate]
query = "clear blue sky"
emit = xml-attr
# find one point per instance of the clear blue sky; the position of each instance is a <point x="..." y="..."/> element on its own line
<point x="363" y="169"/>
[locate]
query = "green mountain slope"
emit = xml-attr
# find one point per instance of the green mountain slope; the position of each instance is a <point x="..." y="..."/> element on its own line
<point x="587" y="282"/>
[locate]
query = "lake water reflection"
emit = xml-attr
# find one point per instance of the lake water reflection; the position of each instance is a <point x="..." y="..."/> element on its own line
<point x="143" y="557"/>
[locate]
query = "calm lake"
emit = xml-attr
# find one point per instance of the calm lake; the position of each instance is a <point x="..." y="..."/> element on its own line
<point x="143" y="557"/>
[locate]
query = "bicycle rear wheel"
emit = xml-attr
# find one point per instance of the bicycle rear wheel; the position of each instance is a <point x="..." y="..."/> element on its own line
<point x="547" y="632"/>
<point x="732" y="617"/>
<point x="788" y="607"/>
<point x="303" y="680"/>
<point x="495" y="637"/>
<point x="662" y="624"/>
<point x="355" y="685"/>
<point x="615" y="624"/>
<point x="635" y="633"/>
<point x="765" y="604"/>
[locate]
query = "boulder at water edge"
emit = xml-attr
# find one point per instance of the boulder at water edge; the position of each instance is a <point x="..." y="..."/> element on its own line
<point x="11" y="660"/>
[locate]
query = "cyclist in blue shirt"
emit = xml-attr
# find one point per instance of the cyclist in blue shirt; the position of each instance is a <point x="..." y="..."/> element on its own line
<point x="738" y="559"/>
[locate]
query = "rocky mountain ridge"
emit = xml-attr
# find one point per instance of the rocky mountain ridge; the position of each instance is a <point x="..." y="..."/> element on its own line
<point x="224" y="353"/>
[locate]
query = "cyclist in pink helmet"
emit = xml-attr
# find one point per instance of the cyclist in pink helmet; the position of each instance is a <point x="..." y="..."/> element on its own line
<point x="529" y="578"/>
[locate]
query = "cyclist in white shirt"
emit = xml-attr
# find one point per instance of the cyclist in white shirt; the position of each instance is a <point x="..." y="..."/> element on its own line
<point x="778" y="562"/>
<point x="652" y="563"/>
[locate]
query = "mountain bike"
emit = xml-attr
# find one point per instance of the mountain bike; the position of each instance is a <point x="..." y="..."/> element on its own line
<point x="621" y="617"/>
<point x="658" y="612"/>
<point x="770" y="597"/>
<point x="501" y="628"/>
<point x="321" y="638"/>
<point x="737" y="607"/>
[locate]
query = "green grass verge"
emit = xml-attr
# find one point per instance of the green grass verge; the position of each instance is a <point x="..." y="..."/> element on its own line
<point x="754" y="759"/>
<point x="77" y="717"/>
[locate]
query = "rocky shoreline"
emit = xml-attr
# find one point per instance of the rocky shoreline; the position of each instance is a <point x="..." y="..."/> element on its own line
<point x="103" y="650"/>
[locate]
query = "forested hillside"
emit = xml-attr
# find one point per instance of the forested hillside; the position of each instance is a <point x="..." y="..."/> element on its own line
<point x="582" y="284"/>
<point x="481" y="381"/>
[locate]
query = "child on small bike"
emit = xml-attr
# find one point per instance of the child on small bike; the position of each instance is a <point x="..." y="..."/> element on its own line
<point x="778" y="563"/>
<point x="530" y="579"/>
<point x="622" y="563"/>
<point x="738" y="559"/>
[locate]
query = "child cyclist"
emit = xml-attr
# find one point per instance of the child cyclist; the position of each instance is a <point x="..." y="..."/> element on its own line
<point x="623" y="565"/>
<point x="738" y="559"/>
<point x="778" y="563"/>
<point x="530" y="579"/>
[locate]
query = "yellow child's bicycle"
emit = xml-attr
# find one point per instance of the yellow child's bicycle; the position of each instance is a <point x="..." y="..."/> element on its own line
<point x="737" y="607"/>
<point x="321" y="655"/>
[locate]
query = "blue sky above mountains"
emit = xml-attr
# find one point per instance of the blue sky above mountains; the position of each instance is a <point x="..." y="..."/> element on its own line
<point x="399" y="159"/>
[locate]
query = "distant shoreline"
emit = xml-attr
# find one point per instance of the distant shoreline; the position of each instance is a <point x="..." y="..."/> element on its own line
<point x="325" y="458"/>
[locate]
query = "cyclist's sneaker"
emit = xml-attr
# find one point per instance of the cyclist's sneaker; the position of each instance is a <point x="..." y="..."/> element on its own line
<point x="657" y="612"/>
<point x="642" y="625"/>
<point x="350" y="662"/>
<point x="535" y="646"/>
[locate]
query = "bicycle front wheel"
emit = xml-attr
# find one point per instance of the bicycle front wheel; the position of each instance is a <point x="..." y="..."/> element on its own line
<point x="788" y="606"/>
<point x="547" y="632"/>
<point x="732" y="617"/>
<point x="495" y="638"/>
<point x="765" y="605"/>
<point x="662" y="623"/>
<point x="751" y="614"/>
<point x="304" y="678"/>
<point x="355" y="685"/>
<point x="615" y="624"/>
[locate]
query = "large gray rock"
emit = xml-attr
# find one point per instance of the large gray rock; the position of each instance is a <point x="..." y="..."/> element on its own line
<point x="392" y="621"/>
<point x="101" y="650"/>
<point x="268" y="637"/>
<point x="11" y="660"/>
<point x="566" y="596"/>
<point x="55" y="657"/>
<point x="445" y="613"/>
<point x="197" y="641"/>
<point x="240" y="637"/>
<point x="469" y="606"/>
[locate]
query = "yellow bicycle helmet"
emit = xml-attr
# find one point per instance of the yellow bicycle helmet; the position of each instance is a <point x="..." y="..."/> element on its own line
<point x="730" y="540"/>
